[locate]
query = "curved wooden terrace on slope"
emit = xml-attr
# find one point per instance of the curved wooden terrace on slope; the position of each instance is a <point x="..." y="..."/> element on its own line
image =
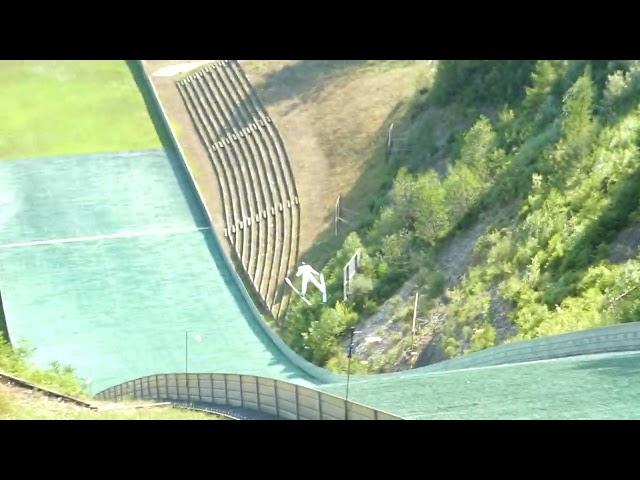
<point x="257" y="188"/>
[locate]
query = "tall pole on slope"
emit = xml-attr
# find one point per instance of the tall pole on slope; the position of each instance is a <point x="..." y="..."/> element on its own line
<point x="186" y="363"/>
<point x="389" y="140"/>
<point x="337" y="215"/>
<point x="349" y="354"/>
<point x="413" y="326"/>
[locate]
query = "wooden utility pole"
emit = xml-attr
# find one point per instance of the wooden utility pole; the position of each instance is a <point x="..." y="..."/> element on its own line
<point x="389" y="142"/>
<point x="413" y="326"/>
<point x="186" y="364"/>
<point x="337" y="214"/>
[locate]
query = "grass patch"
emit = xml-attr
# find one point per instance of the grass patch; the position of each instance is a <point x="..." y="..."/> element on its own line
<point x="22" y="404"/>
<point x="334" y="117"/>
<point x="19" y="403"/>
<point x="52" y="108"/>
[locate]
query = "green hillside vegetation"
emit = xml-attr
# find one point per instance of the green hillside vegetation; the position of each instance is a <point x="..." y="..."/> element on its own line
<point x="54" y="108"/>
<point x="18" y="403"/>
<point x="549" y="161"/>
<point x="15" y="361"/>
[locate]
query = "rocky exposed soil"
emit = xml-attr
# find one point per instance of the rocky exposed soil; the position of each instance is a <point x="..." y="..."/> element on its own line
<point x="378" y="333"/>
<point x="626" y="245"/>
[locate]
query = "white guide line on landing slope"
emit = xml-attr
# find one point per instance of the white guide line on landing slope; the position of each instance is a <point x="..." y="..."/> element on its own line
<point x="141" y="233"/>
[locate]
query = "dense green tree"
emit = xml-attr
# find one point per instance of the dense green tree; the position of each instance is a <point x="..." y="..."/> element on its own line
<point x="479" y="82"/>
<point x="478" y="149"/>
<point x="432" y="212"/>
<point x="483" y="337"/>
<point x="577" y="116"/>
<point x="463" y="189"/>
<point x="324" y="334"/>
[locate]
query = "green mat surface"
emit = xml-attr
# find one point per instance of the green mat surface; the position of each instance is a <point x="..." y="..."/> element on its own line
<point x="603" y="386"/>
<point x="68" y="197"/>
<point x="105" y="287"/>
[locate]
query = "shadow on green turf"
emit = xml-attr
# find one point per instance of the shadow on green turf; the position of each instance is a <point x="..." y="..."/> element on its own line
<point x="627" y="366"/>
<point x="182" y="176"/>
<point x="161" y="129"/>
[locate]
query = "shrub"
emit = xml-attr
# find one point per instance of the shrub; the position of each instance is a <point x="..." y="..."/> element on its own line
<point x="436" y="284"/>
<point x="483" y="337"/>
<point x="324" y="334"/>
<point x="15" y="361"/>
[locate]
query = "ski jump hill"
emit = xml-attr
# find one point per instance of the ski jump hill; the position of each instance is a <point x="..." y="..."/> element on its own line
<point x="150" y="273"/>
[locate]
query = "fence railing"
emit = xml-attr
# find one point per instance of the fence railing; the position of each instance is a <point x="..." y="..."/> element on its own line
<point x="274" y="397"/>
